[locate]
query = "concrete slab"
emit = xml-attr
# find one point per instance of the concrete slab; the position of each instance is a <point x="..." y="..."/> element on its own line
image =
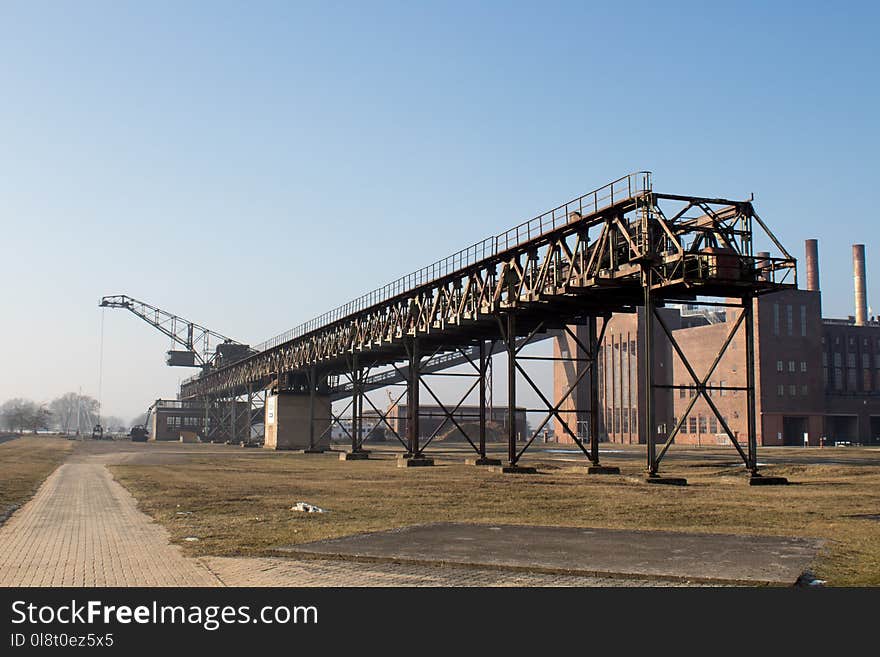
<point x="513" y="469"/>
<point x="676" y="556"/>
<point x="415" y="462"/>
<point x="603" y="470"/>
<point x="480" y="461"/>
<point x="354" y="456"/>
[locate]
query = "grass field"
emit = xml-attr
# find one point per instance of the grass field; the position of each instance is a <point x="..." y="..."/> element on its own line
<point x="239" y="504"/>
<point x="25" y="463"/>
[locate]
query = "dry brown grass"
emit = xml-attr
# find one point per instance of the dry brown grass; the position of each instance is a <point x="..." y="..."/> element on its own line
<point x="239" y="504"/>
<point x="25" y="463"/>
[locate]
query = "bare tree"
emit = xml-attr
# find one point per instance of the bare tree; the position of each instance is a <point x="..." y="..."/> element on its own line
<point x="19" y="414"/>
<point x="74" y="412"/>
<point x="39" y="418"/>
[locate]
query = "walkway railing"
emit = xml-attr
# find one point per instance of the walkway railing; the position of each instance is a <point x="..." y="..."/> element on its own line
<point x="622" y="189"/>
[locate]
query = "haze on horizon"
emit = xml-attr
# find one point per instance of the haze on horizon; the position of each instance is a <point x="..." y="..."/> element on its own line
<point x="252" y="167"/>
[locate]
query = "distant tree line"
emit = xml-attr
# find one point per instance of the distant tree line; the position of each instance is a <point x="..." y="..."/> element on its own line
<point x="70" y="413"/>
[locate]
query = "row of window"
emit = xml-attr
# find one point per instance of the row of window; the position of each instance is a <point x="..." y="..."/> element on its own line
<point x="792" y="366"/>
<point x="850" y="360"/>
<point x="792" y="390"/>
<point x="789" y="320"/>
<point x="711" y="390"/>
<point x="852" y="342"/>
<point x="851" y="379"/>
<point x="177" y="421"/>
<point x="700" y="424"/>
<point x="622" y="420"/>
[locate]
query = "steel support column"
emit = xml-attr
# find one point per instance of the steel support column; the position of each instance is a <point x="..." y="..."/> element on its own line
<point x="412" y="399"/>
<point x="748" y="310"/>
<point x="313" y="383"/>
<point x="356" y="404"/>
<point x="648" y="367"/>
<point x="511" y="389"/>
<point x="233" y="420"/>
<point x="594" y="389"/>
<point x="483" y="360"/>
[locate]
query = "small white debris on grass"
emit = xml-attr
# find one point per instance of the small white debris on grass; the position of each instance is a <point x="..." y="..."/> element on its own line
<point x="305" y="507"/>
<point x="190" y="539"/>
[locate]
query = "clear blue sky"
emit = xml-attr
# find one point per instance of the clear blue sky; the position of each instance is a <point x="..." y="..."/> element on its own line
<point x="251" y="165"/>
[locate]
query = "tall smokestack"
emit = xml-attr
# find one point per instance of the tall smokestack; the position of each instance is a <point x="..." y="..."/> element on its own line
<point x="859" y="280"/>
<point x="812" y="249"/>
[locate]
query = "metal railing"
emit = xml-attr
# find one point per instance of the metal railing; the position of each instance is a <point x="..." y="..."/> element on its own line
<point x="625" y="188"/>
<point x="622" y="189"/>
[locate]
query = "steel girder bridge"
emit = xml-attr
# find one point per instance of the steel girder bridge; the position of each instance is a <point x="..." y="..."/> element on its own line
<point x="612" y="250"/>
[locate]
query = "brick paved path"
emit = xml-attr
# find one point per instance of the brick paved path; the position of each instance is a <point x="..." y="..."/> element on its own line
<point x="83" y="529"/>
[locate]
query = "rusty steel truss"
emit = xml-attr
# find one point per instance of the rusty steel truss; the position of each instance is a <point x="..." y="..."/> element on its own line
<point x="613" y="250"/>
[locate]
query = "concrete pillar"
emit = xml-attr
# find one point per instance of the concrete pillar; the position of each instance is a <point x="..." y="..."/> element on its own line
<point x="287" y="421"/>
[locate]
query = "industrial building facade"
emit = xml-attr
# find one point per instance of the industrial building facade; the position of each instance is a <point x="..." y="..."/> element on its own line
<point x="817" y="379"/>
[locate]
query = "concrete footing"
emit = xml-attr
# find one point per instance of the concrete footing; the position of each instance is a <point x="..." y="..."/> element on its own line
<point x="761" y="480"/>
<point x="668" y="481"/>
<point x="603" y="470"/>
<point x="354" y="456"/>
<point x="481" y="460"/>
<point x="414" y="462"/>
<point x="514" y="469"/>
<point x="312" y="450"/>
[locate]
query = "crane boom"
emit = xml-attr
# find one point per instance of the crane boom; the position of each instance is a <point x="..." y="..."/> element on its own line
<point x="197" y="340"/>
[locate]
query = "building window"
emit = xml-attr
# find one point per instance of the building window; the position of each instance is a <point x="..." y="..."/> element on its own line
<point x="701" y="419"/>
<point x="775" y="319"/>
<point x="838" y="378"/>
<point x="792" y="390"/>
<point x="713" y="424"/>
<point x="851" y="380"/>
<point x="692" y="423"/>
<point x="824" y="359"/>
<point x="780" y="390"/>
<point x="791" y="366"/>
<point x="850" y="360"/>
<point x="803" y="321"/>
<point x="804" y="390"/>
<point x="692" y="392"/>
<point x="825" y="376"/>
<point x="789" y="319"/>
<point x="721" y="388"/>
<point x="711" y="388"/>
<point x="803" y="366"/>
<point x="866" y="380"/>
<point x="866" y="361"/>
<point x="779" y="366"/>
<point x="838" y="359"/>
<point x="682" y="393"/>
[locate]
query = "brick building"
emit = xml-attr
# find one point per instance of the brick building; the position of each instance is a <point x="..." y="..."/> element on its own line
<point x="815" y="377"/>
